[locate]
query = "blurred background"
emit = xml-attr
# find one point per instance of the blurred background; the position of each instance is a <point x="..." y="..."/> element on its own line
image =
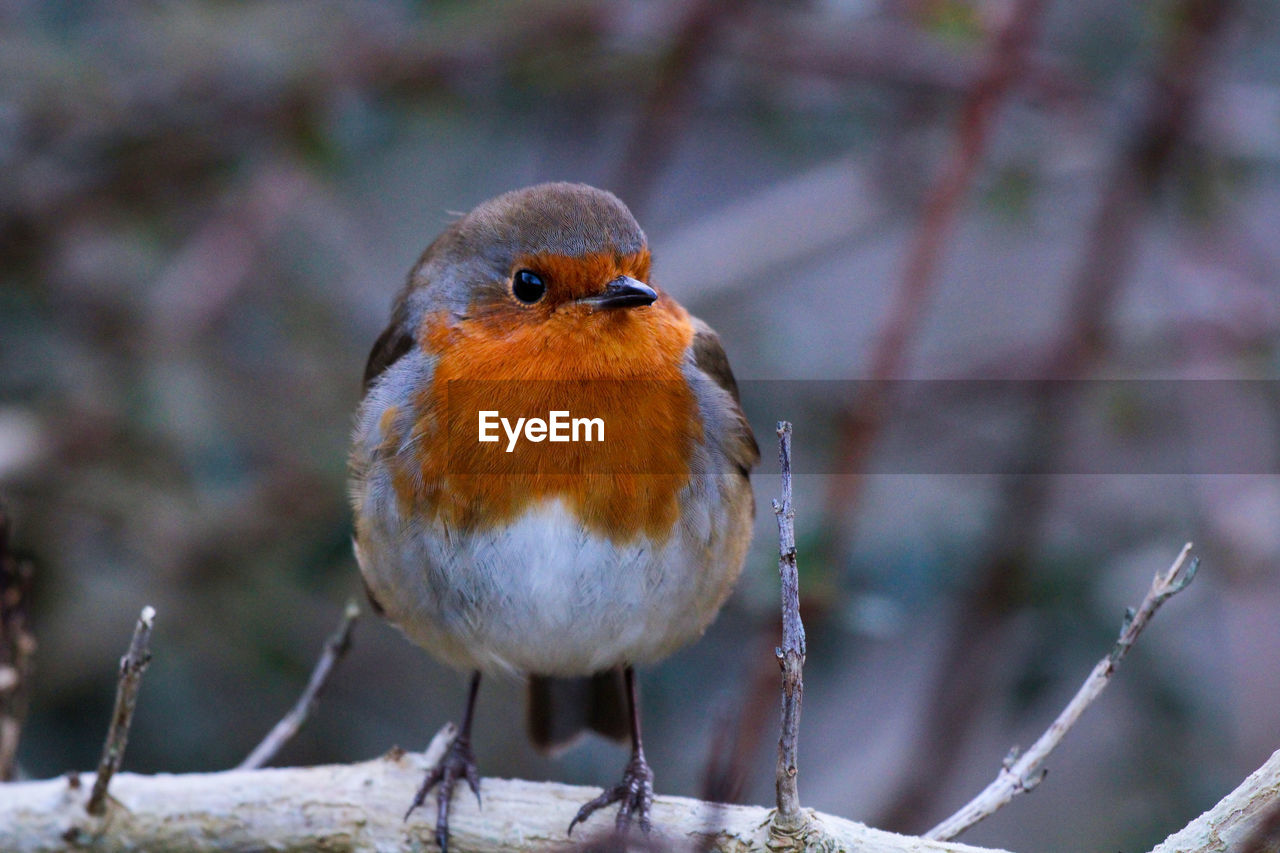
<point x="910" y="220"/>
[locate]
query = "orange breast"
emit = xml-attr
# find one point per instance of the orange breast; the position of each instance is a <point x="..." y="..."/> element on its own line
<point x="622" y="366"/>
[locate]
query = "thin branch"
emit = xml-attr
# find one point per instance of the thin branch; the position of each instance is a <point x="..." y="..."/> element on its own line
<point x="789" y="818"/>
<point x="132" y="665"/>
<point x="1022" y="773"/>
<point x="17" y="649"/>
<point x="334" y="649"/>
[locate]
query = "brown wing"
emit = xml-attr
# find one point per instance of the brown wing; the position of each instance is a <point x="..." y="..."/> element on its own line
<point x="390" y="346"/>
<point x="709" y="357"/>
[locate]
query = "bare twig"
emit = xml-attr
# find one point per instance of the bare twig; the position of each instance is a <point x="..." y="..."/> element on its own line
<point x="132" y="665"/>
<point x="17" y="649"/>
<point x="1021" y="773"/>
<point x="334" y="649"/>
<point x="961" y="676"/>
<point x="792" y="651"/>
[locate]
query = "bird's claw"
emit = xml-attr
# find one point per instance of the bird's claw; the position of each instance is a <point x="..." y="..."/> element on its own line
<point x="458" y="762"/>
<point x="634" y="792"/>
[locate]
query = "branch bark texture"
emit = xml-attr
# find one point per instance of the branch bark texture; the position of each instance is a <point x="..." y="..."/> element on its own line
<point x="1234" y="821"/>
<point x="791" y="653"/>
<point x="360" y="807"/>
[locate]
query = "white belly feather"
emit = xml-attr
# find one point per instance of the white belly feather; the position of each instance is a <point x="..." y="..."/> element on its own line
<point x="543" y="596"/>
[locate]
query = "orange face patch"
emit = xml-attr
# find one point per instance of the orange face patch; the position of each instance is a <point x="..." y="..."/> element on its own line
<point x="622" y="366"/>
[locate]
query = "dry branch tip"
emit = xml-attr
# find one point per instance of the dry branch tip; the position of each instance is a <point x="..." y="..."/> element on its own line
<point x="132" y="666"/>
<point x="335" y="648"/>
<point x="1021" y="773"/>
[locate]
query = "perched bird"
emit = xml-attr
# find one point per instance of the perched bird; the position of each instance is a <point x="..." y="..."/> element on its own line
<point x="563" y="555"/>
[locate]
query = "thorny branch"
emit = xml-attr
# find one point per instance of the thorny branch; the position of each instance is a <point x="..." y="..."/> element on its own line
<point x="17" y="649"/>
<point x="1021" y="773"/>
<point x="792" y="651"/>
<point x="132" y="665"/>
<point x="334" y="649"/>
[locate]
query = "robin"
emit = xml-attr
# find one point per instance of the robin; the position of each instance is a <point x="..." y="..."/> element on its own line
<point x="550" y="472"/>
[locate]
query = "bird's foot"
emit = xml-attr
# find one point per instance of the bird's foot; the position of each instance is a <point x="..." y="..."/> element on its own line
<point x="458" y="762"/>
<point x="634" y="792"/>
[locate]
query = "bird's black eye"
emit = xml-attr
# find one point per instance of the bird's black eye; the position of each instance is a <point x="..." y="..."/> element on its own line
<point x="528" y="286"/>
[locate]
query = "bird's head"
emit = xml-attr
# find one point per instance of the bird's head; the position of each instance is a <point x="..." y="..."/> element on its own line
<point x="552" y="280"/>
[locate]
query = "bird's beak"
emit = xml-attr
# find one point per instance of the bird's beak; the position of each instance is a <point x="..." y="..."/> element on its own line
<point x="623" y="292"/>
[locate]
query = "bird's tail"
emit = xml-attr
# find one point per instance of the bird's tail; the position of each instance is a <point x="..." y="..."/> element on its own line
<point x="561" y="709"/>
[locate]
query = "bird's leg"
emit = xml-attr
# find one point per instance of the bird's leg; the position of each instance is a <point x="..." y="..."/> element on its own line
<point x="635" y="791"/>
<point x="458" y="762"/>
